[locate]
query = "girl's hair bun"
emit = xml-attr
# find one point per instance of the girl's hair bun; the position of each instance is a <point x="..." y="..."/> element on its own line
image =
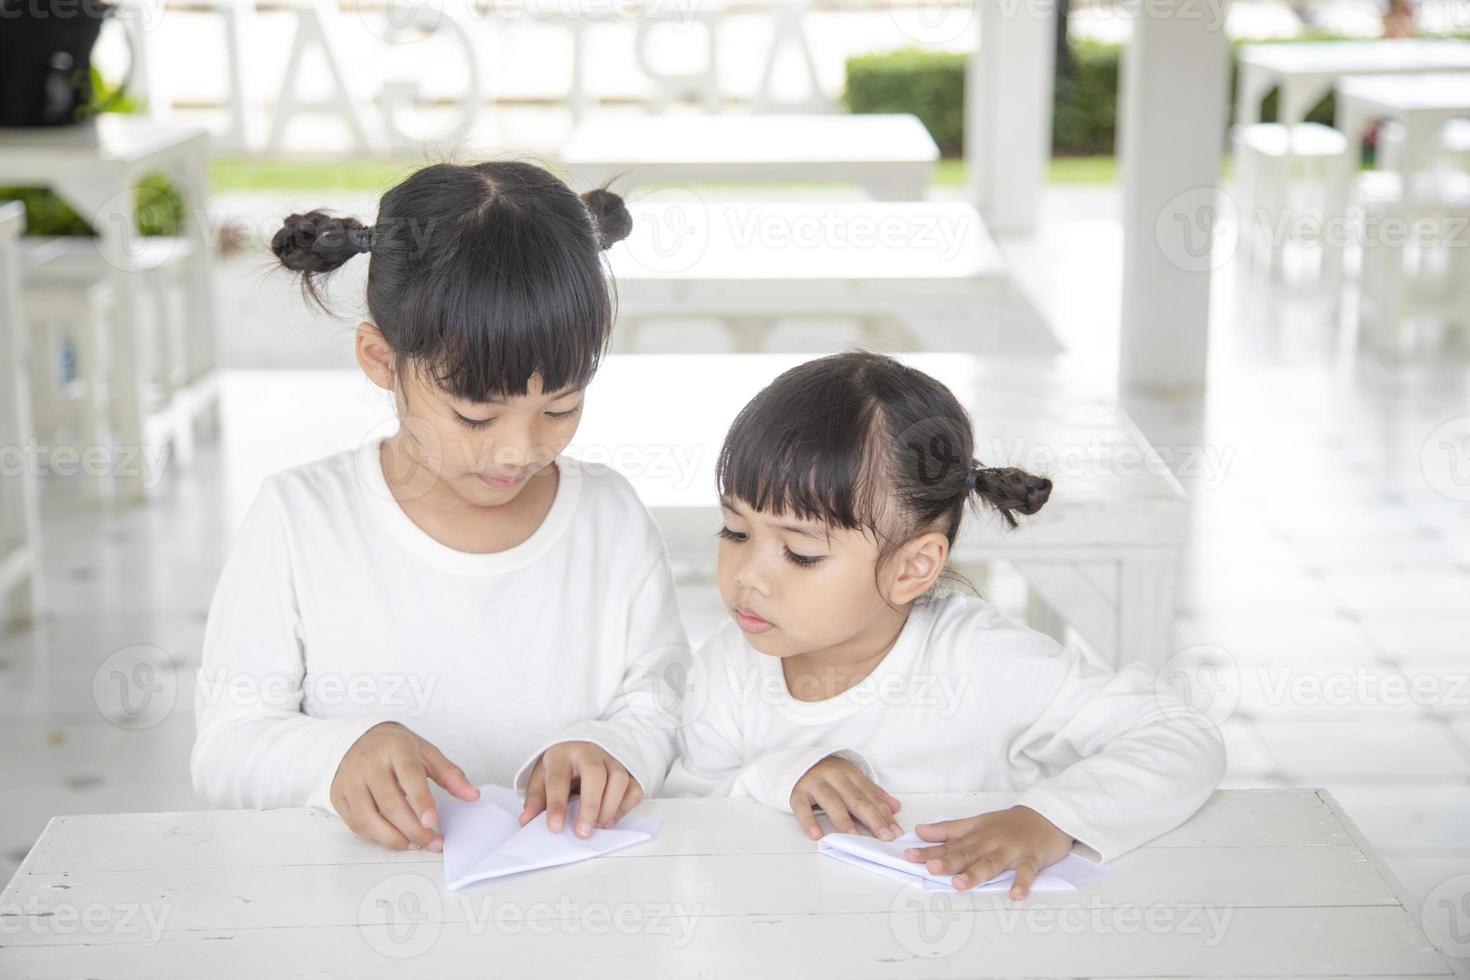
<point x="1011" y="490"/>
<point x="614" y="223"/>
<point x="318" y="242"/>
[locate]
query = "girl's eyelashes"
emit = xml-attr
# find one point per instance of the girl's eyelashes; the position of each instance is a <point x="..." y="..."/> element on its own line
<point x="805" y="561"/>
<point x="473" y="423"/>
<point x="481" y="423"/>
<point x="802" y="561"/>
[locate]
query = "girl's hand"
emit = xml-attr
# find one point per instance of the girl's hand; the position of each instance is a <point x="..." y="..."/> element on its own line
<point x="843" y="793"/>
<point x="381" y="789"/>
<point x="608" y="790"/>
<point x="977" y="849"/>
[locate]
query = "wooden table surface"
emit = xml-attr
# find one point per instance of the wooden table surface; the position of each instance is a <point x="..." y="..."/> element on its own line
<point x="1258" y="883"/>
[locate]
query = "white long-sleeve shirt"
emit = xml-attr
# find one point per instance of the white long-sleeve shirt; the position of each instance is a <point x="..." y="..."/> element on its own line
<point x="965" y="701"/>
<point x="335" y="612"/>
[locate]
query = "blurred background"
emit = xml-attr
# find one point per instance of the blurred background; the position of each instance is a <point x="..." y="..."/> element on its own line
<point x="1205" y="263"/>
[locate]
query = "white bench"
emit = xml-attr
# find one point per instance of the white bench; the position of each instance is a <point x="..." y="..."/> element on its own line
<point x="1277" y="164"/>
<point x="160" y="368"/>
<point x="892" y="156"/>
<point x="1102" y="556"/>
<point x="898" y="268"/>
<point x="1416" y="257"/>
<point x="20" y="524"/>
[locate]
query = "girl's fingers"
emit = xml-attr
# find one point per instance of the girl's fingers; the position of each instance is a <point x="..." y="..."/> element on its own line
<point x="594" y="778"/>
<point x="803" y="809"/>
<point x="388" y="798"/>
<point x="979" y="872"/>
<point x="884" y="803"/>
<point x="924" y="855"/>
<point x="875" y="816"/>
<point x="535" y="794"/>
<point x="893" y="803"/>
<point x="558" y="791"/>
<point x="612" y="797"/>
<point x="833" y="805"/>
<point x="1026" y="871"/>
<point x="632" y="796"/>
<point x="943" y="830"/>
<point x="370" y="823"/>
<point x="415" y="784"/>
<point x="448" y="775"/>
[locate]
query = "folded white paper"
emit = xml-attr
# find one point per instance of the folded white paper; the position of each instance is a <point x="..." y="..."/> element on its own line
<point x="485" y="839"/>
<point x="886" y="858"/>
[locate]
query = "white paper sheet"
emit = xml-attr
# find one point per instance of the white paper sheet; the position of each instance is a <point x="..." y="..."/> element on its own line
<point x="886" y="858"/>
<point x="485" y="839"/>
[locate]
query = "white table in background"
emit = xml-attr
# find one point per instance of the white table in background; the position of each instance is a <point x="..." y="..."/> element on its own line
<point x="1306" y="71"/>
<point x="1258" y="883"/>
<point x="1422" y="104"/>
<point x="20" y="525"/>
<point x="893" y="266"/>
<point x="892" y="156"/>
<point x="1102" y="555"/>
<point x="95" y="168"/>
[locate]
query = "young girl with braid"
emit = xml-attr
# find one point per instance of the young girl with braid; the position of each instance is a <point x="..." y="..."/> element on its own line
<point x="843" y="677"/>
<point x="524" y="596"/>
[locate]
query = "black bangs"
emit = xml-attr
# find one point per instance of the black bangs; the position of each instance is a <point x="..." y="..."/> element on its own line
<point x="489" y="275"/>
<point x="804" y="446"/>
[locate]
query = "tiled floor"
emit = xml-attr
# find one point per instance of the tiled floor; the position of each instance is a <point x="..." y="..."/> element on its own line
<point x="1323" y="561"/>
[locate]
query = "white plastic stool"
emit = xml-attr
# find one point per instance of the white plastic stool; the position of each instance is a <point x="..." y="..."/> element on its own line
<point x="1454" y="146"/>
<point x="1416" y="256"/>
<point x="1277" y="166"/>
<point x="159" y="361"/>
<point x="68" y="319"/>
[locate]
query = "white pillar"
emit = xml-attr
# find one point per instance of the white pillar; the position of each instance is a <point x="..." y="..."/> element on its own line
<point x="1008" y="95"/>
<point x="1171" y="123"/>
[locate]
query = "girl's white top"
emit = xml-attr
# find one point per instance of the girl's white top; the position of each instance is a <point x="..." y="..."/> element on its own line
<point x="335" y="612"/>
<point x="966" y="701"/>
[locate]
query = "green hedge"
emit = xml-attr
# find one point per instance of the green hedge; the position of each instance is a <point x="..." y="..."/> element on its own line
<point x="931" y="85"/>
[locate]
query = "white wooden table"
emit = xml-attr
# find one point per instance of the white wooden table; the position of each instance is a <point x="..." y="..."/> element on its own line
<point x="1306" y="71"/>
<point x="20" y="525"/>
<point x="1258" y="883"/>
<point x="1102" y="555"/>
<point x="892" y="156"/>
<point x="1422" y="104"/>
<point x="898" y="268"/>
<point x="95" y="168"/>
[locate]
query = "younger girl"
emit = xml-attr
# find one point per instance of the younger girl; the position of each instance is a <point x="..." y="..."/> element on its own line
<point x="458" y="600"/>
<point x="841" y="679"/>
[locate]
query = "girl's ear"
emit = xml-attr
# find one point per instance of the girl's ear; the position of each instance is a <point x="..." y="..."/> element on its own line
<point x="916" y="565"/>
<point x="374" y="355"/>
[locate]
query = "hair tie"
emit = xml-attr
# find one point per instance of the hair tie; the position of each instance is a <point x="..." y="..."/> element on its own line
<point x="362" y="238"/>
<point x="973" y="477"/>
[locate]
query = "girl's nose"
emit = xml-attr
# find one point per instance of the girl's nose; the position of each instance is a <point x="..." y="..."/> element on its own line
<point x="750" y="575"/>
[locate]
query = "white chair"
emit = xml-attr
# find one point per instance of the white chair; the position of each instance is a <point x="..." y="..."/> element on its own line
<point x="68" y="318"/>
<point x="1454" y="146"/>
<point x="1286" y="173"/>
<point x="1416" y="256"/>
<point x="20" y="524"/>
<point x="68" y="284"/>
